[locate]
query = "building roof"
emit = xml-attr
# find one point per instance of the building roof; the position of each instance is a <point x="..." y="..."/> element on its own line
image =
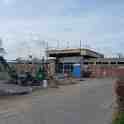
<point x="74" y="52"/>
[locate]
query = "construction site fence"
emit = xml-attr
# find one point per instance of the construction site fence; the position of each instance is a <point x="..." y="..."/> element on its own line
<point x="106" y="71"/>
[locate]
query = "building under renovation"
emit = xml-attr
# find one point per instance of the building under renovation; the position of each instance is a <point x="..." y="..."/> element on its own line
<point x="67" y="59"/>
<point x="78" y="61"/>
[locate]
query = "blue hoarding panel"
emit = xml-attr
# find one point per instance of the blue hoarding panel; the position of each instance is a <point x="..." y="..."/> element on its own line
<point x="77" y="71"/>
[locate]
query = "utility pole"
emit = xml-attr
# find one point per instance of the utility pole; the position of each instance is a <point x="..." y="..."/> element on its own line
<point x="67" y="44"/>
<point x="47" y="47"/>
<point x="2" y="50"/>
<point x="41" y="49"/>
<point x="80" y="44"/>
<point x="58" y="44"/>
<point x="82" y="59"/>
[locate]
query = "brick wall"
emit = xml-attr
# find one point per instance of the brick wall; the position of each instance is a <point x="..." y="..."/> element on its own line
<point x="106" y="71"/>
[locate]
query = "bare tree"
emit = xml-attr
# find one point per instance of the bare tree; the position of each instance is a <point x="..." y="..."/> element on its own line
<point x="120" y="55"/>
<point x="2" y="50"/>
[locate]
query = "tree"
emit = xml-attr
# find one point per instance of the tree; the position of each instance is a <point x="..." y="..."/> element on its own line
<point x="2" y="50"/>
<point x="120" y="55"/>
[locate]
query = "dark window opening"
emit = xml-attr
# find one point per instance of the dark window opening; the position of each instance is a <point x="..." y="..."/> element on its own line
<point x="104" y="62"/>
<point x="98" y="62"/>
<point x="120" y="62"/>
<point x="86" y="63"/>
<point x="91" y="63"/>
<point x="113" y="62"/>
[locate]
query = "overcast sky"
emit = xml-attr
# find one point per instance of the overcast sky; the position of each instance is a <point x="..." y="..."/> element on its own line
<point x="98" y="23"/>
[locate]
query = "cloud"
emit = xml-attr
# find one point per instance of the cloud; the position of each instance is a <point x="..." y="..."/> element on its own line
<point x="9" y="2"/>
<point x="92" y="28"/>
<point x="101" y="24"/>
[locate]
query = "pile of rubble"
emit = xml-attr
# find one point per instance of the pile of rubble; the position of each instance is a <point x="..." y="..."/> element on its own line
<point x="118" y="114"/>
<point x="120" y="94"/>
<point x="68" y="81"/>
<point x="55" y="82"/>
<point x="52" y="82"/>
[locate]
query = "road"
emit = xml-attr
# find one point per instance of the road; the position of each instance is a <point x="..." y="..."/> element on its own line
<point x="96" y="101"/>
<point x="86" y="103"/>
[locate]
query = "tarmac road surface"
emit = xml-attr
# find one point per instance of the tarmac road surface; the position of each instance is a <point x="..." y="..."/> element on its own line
<point x="86" y="103"/>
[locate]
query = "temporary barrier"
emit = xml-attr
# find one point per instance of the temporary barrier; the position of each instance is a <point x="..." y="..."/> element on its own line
<point x="45" y="84"/>
<point x="77" y="71"/>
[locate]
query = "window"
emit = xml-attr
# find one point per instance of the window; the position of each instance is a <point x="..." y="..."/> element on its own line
<point x="120" y="62"/>
<point x="113" y="62"/>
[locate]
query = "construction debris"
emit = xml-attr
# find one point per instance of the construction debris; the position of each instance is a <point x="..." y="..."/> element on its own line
<point x="118" y="113"/>
<point x="119" y="90"/>
<point x="68" y="81"/>
<point x="52" y="82"/>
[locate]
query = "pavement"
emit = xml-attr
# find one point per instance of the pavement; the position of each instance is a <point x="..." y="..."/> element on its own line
<point x="89" y="102"/>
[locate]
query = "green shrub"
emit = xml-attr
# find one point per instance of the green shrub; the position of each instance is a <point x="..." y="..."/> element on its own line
<point x="119" y="119"/>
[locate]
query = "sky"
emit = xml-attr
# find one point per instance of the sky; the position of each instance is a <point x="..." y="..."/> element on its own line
<point x="25" y="24"/>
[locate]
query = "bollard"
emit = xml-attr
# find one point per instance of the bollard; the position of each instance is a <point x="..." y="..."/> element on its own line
<point x="45" y="84"/>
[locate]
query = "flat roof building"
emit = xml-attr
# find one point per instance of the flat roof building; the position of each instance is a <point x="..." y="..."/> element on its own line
<point x="86" y="53"/>
<point x="66" y="58"/>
